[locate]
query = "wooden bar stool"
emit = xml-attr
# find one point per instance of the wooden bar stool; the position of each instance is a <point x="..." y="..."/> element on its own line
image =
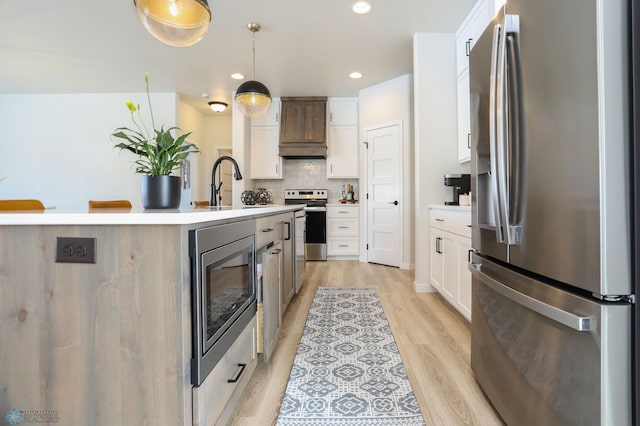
<point x="21" y="206"/>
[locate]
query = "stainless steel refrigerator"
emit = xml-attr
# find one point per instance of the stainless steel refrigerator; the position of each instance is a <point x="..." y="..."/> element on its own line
<point x="553" y="332"/>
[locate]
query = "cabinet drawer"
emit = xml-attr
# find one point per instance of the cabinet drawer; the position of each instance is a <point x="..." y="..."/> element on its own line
<point x="268" y="229"/>
<point x="343" y="246"/>
<point x="343" y="211"/>
<point x="343" y="227"/>
<point x="211" y="398"/>
<point x="455" y="221"/>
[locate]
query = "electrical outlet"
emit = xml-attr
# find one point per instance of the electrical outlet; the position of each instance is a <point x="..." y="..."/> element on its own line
<point x="75" y="250"/>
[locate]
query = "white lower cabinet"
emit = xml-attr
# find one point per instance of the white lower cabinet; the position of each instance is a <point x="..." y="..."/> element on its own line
<point x="450" y="243"/>
<point x="343" y="230"/>
<point x="215" y="399"/>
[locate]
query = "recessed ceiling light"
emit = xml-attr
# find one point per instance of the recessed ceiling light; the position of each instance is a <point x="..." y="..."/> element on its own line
<point x="361" y="7"/>
<point x="355" y="74"/>
<point x="237" y="76"/>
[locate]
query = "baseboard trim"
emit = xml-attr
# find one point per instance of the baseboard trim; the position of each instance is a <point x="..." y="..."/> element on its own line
<point x="423" y="288"/>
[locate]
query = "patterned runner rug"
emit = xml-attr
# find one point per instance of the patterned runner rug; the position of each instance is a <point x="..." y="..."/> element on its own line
<point x="347" y="370"/>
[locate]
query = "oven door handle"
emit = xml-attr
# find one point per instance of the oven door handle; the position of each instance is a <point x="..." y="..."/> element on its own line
<point x="315" y="209"/>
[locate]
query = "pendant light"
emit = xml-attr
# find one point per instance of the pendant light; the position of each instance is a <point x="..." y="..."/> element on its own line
<point x="252" y="97"/>
<point x="177" y="23"/>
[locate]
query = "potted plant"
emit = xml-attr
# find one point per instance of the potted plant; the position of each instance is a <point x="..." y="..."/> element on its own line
<point x="159" y="154"/>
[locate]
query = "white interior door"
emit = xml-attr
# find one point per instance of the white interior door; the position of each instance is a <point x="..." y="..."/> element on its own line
<point x="384" y="205"/>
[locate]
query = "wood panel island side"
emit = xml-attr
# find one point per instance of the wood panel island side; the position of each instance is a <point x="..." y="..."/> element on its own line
<point x="105" y="343"/>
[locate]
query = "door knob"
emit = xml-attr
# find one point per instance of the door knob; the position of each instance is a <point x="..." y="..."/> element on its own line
<point x="395" y="203"/>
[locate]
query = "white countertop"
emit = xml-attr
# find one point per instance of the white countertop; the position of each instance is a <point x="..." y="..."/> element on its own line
<point x="343" y="205"/>
<point x="444" y="207"/>
<point x="140" y="217"/>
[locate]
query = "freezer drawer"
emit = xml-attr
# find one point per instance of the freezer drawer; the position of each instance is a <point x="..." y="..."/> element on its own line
<point x="545" y="356"/>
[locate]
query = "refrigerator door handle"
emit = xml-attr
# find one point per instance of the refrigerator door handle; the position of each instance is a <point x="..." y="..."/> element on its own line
<point x="576" y="322"/>
<point x="501" y="134"/>
<point x="493" y="133"/>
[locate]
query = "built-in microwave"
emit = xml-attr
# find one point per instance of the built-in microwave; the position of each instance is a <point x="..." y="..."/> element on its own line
<point x="223" y="290"/>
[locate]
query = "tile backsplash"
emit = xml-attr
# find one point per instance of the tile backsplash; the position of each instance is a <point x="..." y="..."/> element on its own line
<point x="304" y="174"/>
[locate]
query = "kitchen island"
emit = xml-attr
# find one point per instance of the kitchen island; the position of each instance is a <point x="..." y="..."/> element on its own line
<point x="108" y="342"/>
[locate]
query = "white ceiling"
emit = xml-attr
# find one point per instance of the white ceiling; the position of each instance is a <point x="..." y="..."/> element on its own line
<point x="305" y="48"/>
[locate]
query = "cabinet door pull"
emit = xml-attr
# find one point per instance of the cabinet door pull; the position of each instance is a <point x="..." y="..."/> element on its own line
<point x="288" y="231"/>
<point x="343" y="245"/>
<point x="469" y="252"/>
<point x="438" y="248"/>
<point x="235" y="379"/>
<point x="277" y="117"/>
<point x="267" y="230"/>
<point x="343" y="211"/>
<point x="469" y="140"/>
<point x="276" y="251"/>
<point x="468" y="46"/>
<point x="439" y="220"/>
<point x="343" y="227"/>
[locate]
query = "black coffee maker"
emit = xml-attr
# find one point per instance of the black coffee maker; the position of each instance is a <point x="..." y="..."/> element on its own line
<point x="461" y="185"/>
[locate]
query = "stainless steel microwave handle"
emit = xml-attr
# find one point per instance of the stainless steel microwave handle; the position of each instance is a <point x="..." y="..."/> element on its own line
<point x="576" y="322"/>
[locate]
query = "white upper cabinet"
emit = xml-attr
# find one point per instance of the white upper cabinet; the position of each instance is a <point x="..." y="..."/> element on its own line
<point x="472" y="27"/>
<point x="343" y="112"/>
<point x="464" y="118"/>
<point x="265" y="136"/>
<point x="271" y="118"/>
<point x="265" y="161"/>
<point x="466" y="37"/>
<point x="342" y="144"/>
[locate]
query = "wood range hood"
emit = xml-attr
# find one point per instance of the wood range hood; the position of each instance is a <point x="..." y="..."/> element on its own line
<point x="303" y="127"/>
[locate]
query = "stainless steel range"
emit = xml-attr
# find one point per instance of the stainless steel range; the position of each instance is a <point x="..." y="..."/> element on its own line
<point x="315" y="201"/>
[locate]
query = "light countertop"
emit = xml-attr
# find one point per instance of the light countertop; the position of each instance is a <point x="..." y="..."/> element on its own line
<point x="141" y="217"/>
<point x="343" y="205"/>
<point x="444" y="207"/>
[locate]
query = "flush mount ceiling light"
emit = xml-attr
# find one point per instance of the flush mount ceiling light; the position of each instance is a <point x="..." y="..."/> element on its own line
<point x="177" y="23"/>
<point x="237" y="76"/>
<point x="217" y="106"/>
<point x="355" y="74"/>
<point x="252" y="97"/>
<point x="361" y="7"/>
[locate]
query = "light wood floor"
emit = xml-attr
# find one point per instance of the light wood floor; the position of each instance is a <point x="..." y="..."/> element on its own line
<point x="433" y="340"/>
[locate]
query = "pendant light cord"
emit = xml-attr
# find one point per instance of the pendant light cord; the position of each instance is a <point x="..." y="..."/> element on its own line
<point x="253" y="42"/>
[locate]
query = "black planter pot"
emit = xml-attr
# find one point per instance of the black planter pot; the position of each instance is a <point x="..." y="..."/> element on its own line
<point x="161" y="192"/>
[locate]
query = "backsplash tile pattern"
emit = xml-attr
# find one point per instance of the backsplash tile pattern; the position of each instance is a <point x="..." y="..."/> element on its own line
<point x="304" y="174"/>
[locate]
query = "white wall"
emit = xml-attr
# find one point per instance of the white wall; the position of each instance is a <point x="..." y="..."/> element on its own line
<point x="190" y="120"/>
<point x="436" y="150"/>
<point x="383" y="103"/>
<point x="57" y="147"/>
<point x="217" y="135"/>
<point x="241" y="150"/>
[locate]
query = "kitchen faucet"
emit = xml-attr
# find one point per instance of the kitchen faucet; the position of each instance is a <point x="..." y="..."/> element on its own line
<point x="215" y="190"/>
